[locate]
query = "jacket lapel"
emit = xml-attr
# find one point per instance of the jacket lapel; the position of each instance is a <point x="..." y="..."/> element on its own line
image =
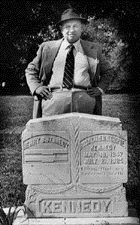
<point x="51" y="54"/>
<point x="53" y="50"/>
<point x="89" y="49"/>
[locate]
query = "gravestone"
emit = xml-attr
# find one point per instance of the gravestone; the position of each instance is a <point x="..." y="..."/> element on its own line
<point x="74" y="166"/>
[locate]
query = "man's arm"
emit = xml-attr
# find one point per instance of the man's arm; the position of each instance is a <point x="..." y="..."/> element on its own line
<point x="105" y="72"/>
<point x="33" y="69"/>
<point x="105" y="75"/>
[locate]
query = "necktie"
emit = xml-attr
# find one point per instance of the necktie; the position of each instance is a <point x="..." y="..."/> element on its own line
<point x="69" y="69"/>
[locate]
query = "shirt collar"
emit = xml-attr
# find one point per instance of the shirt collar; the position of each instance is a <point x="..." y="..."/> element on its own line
<point x="76" y="44"/>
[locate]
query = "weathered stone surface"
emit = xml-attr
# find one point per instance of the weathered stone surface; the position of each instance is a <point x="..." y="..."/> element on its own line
<point x="87" y="122"/>
<point x="80" y="221"/>
<point x="75" y="166"/>
<point x="69" y="203"/>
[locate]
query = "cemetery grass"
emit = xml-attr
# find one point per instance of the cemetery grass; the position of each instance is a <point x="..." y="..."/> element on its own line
<point x="17" y="110"/>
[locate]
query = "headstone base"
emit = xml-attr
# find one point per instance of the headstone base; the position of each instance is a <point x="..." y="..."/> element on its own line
<point x="79" y="221"/>
<point x="22" y="219"/>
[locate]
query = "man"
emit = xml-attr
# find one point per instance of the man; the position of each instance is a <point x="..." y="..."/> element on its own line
<point x="70" y="74"/>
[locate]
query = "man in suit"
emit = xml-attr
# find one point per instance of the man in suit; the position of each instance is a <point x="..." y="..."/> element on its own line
<point x="70" y="74"/>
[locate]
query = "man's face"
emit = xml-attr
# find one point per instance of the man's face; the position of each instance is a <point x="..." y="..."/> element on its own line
<point x="72" y="30"/>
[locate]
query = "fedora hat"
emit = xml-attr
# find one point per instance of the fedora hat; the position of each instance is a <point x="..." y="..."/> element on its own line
<point x="71" y="14"/>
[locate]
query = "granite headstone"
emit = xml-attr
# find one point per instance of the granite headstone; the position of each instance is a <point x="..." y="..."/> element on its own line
<point x="75" y="165"/>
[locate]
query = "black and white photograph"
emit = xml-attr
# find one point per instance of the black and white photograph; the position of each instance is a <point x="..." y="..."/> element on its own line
<point x="69" y="112"/>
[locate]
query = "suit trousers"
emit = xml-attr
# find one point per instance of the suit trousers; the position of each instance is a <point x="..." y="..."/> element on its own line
<point x="66" y="101"/>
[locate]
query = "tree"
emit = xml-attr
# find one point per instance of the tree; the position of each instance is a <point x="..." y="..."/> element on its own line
<point x="18" y="28"/>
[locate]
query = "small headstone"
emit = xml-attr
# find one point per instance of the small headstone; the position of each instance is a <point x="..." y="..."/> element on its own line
<point x="75" y="166"/>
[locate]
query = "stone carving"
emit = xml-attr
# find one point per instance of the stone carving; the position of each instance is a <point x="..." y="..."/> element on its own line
<point x="75" y="166"/>
<point x="103" y="156"/>
<point x="44" y="152"/>
<point x="82" y="206"/>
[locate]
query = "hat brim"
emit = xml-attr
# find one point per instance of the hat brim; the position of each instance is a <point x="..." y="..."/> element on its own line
<point x="83" y="20"/>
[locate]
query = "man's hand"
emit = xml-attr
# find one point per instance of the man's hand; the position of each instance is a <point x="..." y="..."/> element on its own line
<point x="94" y="92"/>
<point x="43" y="92"/>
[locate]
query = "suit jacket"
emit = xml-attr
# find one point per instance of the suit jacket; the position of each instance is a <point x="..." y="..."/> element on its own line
<point x="38" y="72"/>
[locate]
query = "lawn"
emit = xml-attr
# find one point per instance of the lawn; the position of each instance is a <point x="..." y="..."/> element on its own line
<point x="17" y="110"/>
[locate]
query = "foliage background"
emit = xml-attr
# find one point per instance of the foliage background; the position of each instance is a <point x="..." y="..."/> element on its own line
<point x="114" y="24"/>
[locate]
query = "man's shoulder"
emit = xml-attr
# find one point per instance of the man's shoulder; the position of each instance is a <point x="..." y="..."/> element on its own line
<point x="50" y="44"/>
<point x="90" y="44"/>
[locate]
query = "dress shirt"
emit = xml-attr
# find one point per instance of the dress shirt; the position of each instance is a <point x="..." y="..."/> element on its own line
<point x="81" y="75"/>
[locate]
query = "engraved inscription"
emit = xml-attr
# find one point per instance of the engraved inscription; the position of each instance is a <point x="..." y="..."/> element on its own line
<point x="46" y="158"/>
<point x="65" y="206"/>
<point x="102" y="138"/>
<point x="45" y="149"/>
<point x="103" y="159"/>
<point x="42" y="139"/>
<point x="101" y="171"/>
<point x="45" y="155"/>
